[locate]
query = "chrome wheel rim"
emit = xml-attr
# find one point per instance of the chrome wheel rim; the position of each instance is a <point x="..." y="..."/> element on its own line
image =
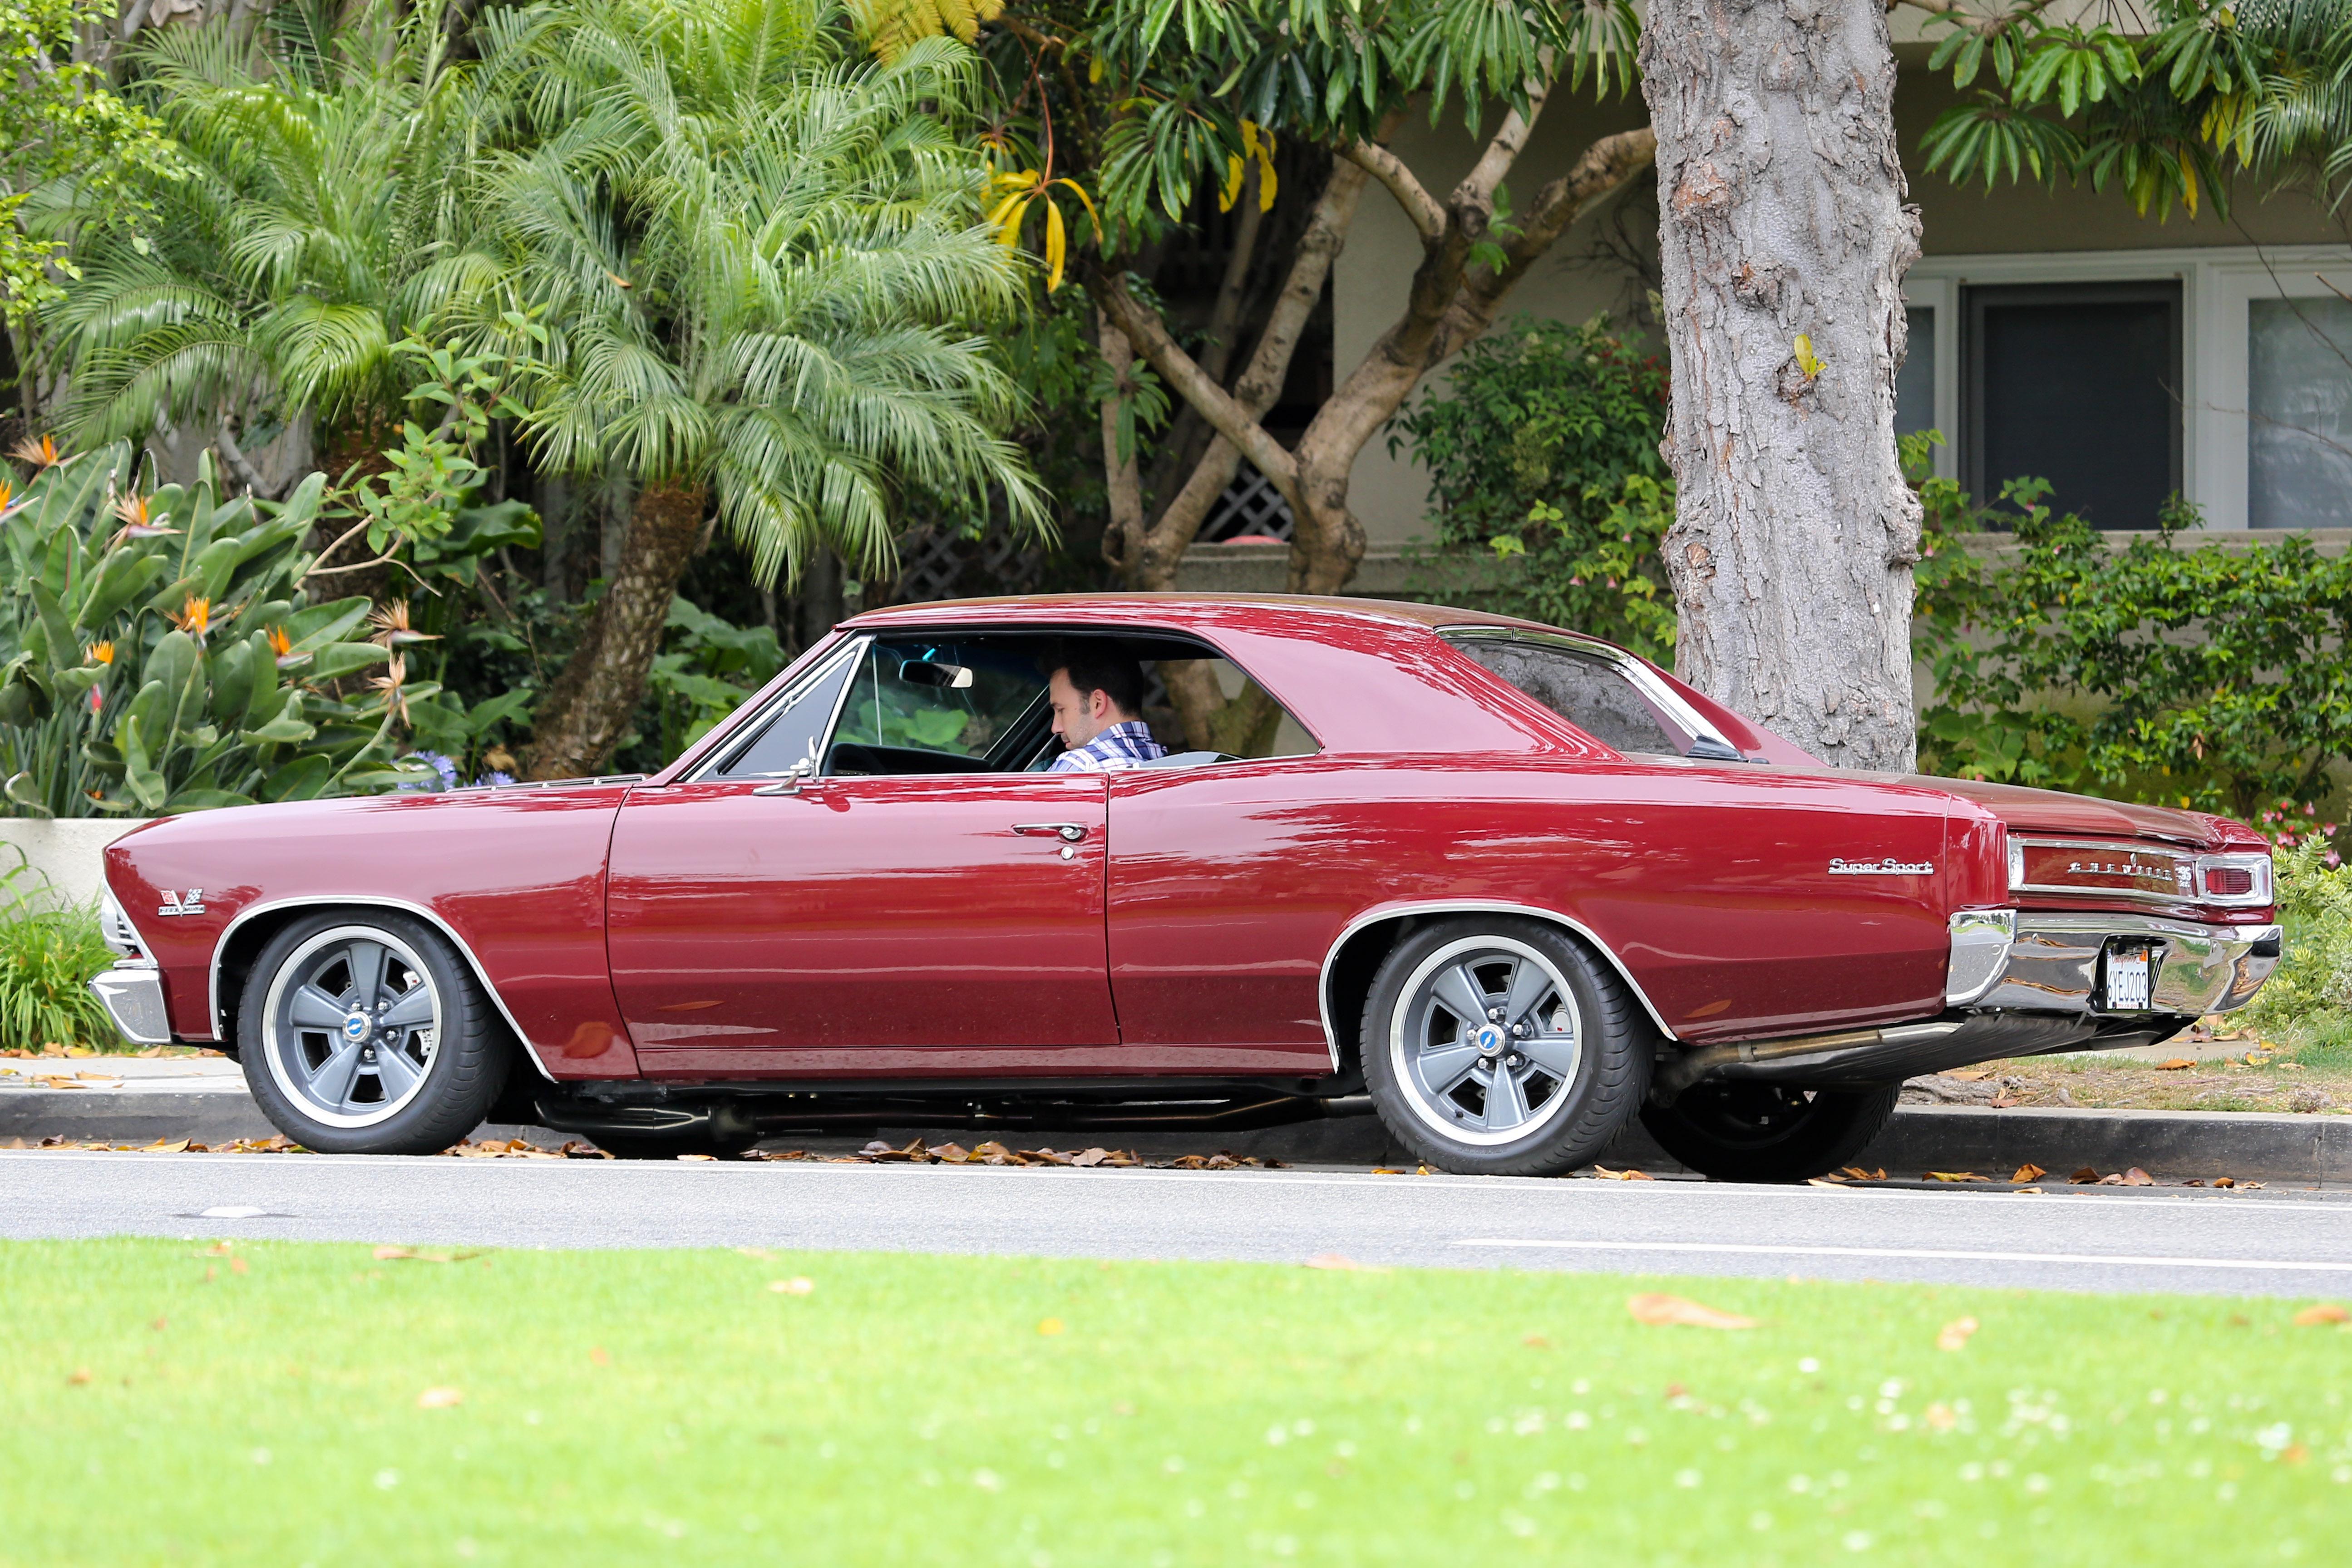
<point x="1486" y="1040"/>
<point x="351" y="1027"/>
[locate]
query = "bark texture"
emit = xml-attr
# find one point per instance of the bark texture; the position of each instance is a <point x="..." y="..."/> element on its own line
<point x="1781" y="216"/>
<point x="589" y="706"/>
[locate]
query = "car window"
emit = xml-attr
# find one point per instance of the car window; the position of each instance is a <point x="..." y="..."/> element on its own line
<point x="795" y="733"/>
<point x="1274" y="735"/>
<point x="918" y="706"/>
<point x="1592" y="693"/>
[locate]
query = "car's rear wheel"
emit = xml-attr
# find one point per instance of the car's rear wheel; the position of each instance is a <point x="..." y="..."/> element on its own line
<point x="1501" y="1047"/>
<point x="1737" y="1131"/>
<point x="364" y="1032"/>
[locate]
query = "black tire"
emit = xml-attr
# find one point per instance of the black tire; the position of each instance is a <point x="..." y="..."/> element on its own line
<point x="457" y="1073"/>
<point x="1596" y="1046"/>
<point x="1747" y="1132"/>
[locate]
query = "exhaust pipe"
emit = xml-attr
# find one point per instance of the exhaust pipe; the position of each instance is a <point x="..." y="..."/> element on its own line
<point x="1860" y="1058"/>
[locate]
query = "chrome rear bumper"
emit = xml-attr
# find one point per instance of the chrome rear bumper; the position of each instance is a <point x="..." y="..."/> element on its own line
<point x="2057" y="964"/>
<point x="132" y="996"/>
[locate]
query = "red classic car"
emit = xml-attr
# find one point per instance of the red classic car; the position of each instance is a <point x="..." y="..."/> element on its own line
<point x="1514" y="885"/>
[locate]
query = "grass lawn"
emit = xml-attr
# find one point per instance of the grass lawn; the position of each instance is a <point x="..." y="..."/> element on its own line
<point x="290" y="1403"/>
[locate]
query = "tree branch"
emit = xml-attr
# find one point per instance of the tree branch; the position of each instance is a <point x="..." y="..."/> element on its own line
<point x="1151" y="338"/>
<point x="1476" y="190"/>
<point x="234" y="456"/>
<point x="1428" y="217"/>
<point x="1603" y="169"/>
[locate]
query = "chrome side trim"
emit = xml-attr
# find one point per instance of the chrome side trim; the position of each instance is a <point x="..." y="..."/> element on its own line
<point x="851" y="652"/>
<point x="1467" y="907"/>
<point x="368" y="901"/>
<point x="132" y="996"/>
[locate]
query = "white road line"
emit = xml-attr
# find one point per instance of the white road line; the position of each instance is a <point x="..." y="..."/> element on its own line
<point x="1755" y="1249"/>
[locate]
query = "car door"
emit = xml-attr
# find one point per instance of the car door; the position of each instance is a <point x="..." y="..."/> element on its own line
<point x="904" y="909"/>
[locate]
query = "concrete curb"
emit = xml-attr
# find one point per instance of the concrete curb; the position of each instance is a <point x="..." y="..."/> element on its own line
<point x="2171" y="1145"/>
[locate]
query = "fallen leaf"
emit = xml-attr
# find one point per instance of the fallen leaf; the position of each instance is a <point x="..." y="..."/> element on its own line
<point x="2175" y="1064"/>
<point x="440" y="1399"/>
<point x="2325" y="1312"/>
<point x="161" y="1147"/>
<point x="992" y="1153"/>
<point x="1859" y="1175"/>
<point x="2225" y="1180"/>
<point x="1536" y="1342"/>
<point x="697" y="1158"/>
<point x="2085" y="1176"/>
<point x="238" y="1266"/>
<point x="1606" y="1175"/>
<point x="2135" y="1177"/>
<point x="2029" y="1172"/>
<point x="1049" y="1326"/>
<point x="79" y="1375"/>
<point x="1090" y="1157"/>
<point x="798" y="1285"/>
<point x="1660" y="1312"/>
<point x="1973" y="1075"/>
<point x="758" y="1252"/>
<point x="1954" y="1176"/>
<point x="1941" y="1417"/>
<point x="411" y="1255"/>
<point x="953" y="1153"/>
<point x="2295" y="1454"/>
<point x="1386" y="1170"/>
<point x="1342" y="1263"/>
<point x="601" y="1356"/>
<point x="1956" y="1333"/>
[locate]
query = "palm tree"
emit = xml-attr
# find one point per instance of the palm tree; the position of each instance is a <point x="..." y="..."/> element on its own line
<point x="762" y="267"/>
<point x="298" y="250"/>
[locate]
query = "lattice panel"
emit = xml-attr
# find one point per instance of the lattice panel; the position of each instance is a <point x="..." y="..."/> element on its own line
<point x="935" y="564"/>
<point x="1250" y="508"/>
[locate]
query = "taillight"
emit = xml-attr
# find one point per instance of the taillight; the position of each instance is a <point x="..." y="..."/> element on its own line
<point x="2241" y="879"/>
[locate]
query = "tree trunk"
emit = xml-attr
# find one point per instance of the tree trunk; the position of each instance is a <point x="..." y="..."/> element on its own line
<point x="1784" y="239"/>
<point x="589" y="707"/>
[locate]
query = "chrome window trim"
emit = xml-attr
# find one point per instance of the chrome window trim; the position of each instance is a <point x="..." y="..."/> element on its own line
<point x="851" y="651"/>
<point x="2019" y="842"/>
<point x="1467" y="907"/>
<point x="1642" y="678"/>
<point x="368" y="900"/>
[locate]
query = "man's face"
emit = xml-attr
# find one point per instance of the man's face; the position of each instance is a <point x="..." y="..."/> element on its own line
<point x="1078" y="716"/>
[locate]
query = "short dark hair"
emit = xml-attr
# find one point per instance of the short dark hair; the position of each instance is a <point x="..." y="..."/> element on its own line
<point x="1102" y="668"/>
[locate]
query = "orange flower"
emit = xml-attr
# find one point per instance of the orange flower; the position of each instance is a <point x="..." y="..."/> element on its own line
<point x="391" y="622"/>
<point x="282" y="647"/>
<point x="390" y="684"/>
<point x="137" y="522"/>
<point x="7" y="493"/>
<point x="42" y="453"/>
<point x="100" y="653"/>
<point x="195" y="618"/>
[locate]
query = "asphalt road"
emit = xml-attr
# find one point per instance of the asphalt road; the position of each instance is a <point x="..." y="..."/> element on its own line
<point x="2245" y="1243"/>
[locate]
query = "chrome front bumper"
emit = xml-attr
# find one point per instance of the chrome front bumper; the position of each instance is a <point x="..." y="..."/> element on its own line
<point x="2057" y="964"/>
<point x="132" y="996"/>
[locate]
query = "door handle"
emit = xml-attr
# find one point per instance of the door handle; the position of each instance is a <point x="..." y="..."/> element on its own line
<point x="1067" y="832"/>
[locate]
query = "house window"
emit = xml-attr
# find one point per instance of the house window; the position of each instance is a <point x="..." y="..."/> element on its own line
<point x="1915" y="384"/>
<point x="2079" y="384"/>
<point x="2299" y="413"/>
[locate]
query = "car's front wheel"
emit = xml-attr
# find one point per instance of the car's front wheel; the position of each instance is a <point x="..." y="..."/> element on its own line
<point x="364" y="1032"/>
<point x="1501" y="1047"/>
<point x="1738" y="1131"/>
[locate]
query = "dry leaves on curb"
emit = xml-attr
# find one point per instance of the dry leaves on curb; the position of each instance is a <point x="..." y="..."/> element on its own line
<point x="2175" y="1064"/>
<point x="440" y="1399"/>
<point x="2029" y="1172"/>
<point x="1341" y="1263"/>
<point x="1606" y="1175"/>
<point x="1954" y="1176"/>
<point x="1857" y="1173"/>
<point x="1659" y="1311"/>
<point x="2323" y="1312"/>
<point x="1955" y="1334"/>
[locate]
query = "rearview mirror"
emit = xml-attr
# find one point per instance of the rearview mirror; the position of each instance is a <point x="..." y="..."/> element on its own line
<point x="928" y="672"/>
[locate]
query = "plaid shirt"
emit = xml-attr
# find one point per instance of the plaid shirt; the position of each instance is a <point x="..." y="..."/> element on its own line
<point x="1119" y="747"/>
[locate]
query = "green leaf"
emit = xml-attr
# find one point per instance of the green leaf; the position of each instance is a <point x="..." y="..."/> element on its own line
<point x="334" y="660"/>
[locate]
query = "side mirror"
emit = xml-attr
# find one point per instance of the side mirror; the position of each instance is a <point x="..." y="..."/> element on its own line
<point x="928" y="672"/>
<point x="798" y="774"/>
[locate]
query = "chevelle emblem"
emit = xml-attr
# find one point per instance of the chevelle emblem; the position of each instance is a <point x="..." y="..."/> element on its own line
<point x="2179" y="875"/>
<point x="1889" y="866"/>
<point x="174" y="904"/>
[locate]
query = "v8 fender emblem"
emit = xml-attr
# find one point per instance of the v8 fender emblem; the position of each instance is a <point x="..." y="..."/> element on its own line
<point x="174" y="904"/>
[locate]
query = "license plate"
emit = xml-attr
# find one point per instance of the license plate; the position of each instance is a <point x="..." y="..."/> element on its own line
<point x="2130" y="971"/>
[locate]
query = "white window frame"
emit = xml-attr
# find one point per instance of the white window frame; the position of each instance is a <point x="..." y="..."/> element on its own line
<point x="2216" y="285"/>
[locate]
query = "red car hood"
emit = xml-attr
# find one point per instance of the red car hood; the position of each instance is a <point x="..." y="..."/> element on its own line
<point x="2048" y="811"/>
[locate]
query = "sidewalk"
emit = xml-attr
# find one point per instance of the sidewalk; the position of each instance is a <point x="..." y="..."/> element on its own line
<point x="120" y="1100"/>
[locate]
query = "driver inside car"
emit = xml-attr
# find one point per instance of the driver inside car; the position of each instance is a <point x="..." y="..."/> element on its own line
<point x="1097" y="698"/>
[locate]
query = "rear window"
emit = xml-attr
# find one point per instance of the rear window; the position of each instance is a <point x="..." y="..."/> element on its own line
<point x="1597" y="694"/>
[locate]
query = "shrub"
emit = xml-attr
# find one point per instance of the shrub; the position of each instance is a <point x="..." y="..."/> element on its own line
<point x="158" y="652"/>
<point x="2312" y="987"/>
<point x="1542" y="452"/>
<point x="2203" y="676"/>
<point x="47" y="958"/>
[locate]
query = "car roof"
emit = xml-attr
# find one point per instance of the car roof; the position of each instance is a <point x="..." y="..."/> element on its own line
<point x="1266" y="614"/>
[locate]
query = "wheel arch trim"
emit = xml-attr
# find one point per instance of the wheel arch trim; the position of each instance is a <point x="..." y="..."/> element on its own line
<point x="1411" y="907"/>
<point x="365" y="900"/>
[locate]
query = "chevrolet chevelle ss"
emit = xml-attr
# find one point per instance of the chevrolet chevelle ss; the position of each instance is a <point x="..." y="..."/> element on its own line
<point x="1512" y="886"/>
